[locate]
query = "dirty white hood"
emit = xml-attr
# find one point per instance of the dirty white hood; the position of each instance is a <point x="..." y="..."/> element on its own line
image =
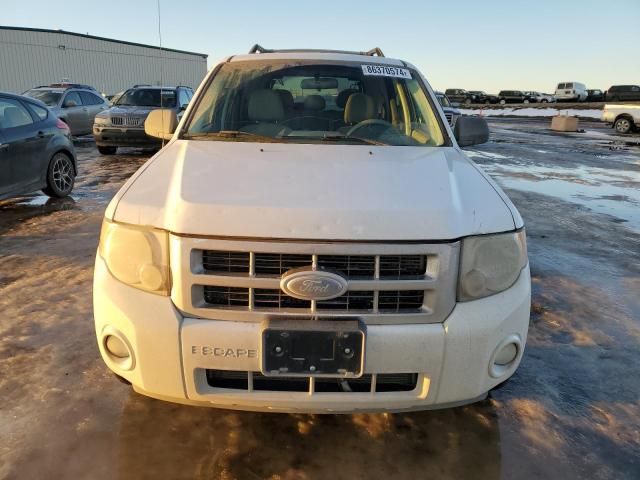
<point x="298" y="191"/>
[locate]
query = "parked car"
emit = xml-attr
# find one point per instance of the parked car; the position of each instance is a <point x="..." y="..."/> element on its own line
<point x="451" y="114"/>
<point x="458" y="95"/>
<point x="122" y="125"/>
<point x="571" y="92"/>
<point x="73" y="103"/>
<point x="36" y="151"/>
<point x="624" y="118"/>
<point x="622" y="93"/>
<point x="483" y="97"/>
<point x="513" y="96"/>
<point x="595" y="96"/>
<point x="297" y="253"/>
<point x="537" y="97"/>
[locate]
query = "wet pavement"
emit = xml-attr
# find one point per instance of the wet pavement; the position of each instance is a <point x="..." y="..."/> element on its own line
<point x="572" y="410"/>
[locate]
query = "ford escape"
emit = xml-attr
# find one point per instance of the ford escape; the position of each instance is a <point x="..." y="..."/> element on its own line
<point x="313" y="239"/>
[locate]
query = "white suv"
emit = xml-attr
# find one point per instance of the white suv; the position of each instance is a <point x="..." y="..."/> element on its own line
<point x="312" y="239"/>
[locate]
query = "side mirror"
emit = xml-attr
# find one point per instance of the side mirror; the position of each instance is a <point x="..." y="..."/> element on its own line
<point x="69" y="104"/>
<point x="161" y="123"/>
<point x="471" y="131"/>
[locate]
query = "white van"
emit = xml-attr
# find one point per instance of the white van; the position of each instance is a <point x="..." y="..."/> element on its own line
<point x="571" y="91"/>
<point x="286" y="253"/>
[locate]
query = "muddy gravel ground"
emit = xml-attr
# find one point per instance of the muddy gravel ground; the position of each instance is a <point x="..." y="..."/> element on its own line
<point x="572" y="410"/>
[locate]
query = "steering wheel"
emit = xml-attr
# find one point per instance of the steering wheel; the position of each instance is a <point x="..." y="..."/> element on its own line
<point x="369" y="123"/>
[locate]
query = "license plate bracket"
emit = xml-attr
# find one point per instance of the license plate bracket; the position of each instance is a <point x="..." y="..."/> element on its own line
<point x="313" y="348"/>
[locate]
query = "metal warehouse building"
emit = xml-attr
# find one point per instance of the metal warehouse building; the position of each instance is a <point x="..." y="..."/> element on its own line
<point x="33" y="56"/>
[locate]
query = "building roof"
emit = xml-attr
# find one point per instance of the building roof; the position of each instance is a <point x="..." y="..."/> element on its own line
<point x="64" y="32"/>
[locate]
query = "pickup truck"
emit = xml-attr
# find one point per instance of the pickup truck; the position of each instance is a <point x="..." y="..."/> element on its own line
<point x="624" y="118"/>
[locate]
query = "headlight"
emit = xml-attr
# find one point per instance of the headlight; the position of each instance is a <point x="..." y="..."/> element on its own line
<point x="101" y="120"/>
<point x="491" y="264"/>
<point x="137" y="256"/>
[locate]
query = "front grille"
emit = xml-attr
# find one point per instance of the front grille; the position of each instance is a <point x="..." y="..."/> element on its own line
<point x="240" y="280"/>
<point x="255" y="381"/>
<point x="126" y="121"/>
<point x="449" y="117"/>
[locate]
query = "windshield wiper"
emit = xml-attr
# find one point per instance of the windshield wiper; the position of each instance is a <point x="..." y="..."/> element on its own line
<point x="231" y="134"/>
<point x="338" y="138"/>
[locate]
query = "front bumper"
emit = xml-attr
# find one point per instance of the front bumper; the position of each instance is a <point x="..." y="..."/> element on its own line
<point x="453" y="359"/>
<point x="106" y="136"/>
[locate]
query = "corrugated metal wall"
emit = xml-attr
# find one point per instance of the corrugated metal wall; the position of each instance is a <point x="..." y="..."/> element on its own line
<point x="30" y="58"/>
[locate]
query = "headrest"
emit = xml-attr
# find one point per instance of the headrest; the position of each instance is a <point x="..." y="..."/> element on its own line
<point x="314" y="102"/>
<point x="265" y="106"/>
<point x="343" y="96"/>
<point x="360" y="107"/>
<point x="286" y="97"/>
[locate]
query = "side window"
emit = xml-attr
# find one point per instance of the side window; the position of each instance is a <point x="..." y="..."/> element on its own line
<point x="183" y="98"/>
<point x="41" y="112"/>
<point x="70" y="99"/>
<point x="635" y="89"/>
<point x="89" y="98"/>
<point x="13" y="114"/>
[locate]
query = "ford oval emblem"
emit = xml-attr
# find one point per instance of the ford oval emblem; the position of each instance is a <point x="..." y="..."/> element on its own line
<point x="313" y="285"/>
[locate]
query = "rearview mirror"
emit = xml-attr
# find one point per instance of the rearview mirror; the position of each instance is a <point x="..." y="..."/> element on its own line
<point x="161" y="123"/>
<point x="318" y="83"/>
<point x="471" y="131"/>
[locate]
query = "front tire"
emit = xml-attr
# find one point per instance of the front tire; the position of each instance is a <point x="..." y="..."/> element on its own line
<point x="623" y="125"/>
<point x="61" y="176"/>
<point x="107" y="150"/>
<point x="503" y="102"/>
<point x="467" y="101"/>
<point x="525" y="101"/>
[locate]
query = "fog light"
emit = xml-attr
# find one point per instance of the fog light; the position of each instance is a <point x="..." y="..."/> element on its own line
<point x="118" y="352"/>
<point x="507" y="354"/>
<point x="116" y="347"/>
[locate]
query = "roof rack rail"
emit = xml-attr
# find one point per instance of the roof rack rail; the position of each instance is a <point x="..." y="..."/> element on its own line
<point x="370" y="53"/>
<point x="69" y="85"/>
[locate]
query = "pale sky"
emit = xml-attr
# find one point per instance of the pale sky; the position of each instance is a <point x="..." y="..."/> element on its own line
<point x="489" y="45"/>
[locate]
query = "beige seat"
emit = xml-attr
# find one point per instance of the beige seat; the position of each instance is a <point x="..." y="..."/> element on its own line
<point x="359" y="107"/>
<point x="265" y="110"/>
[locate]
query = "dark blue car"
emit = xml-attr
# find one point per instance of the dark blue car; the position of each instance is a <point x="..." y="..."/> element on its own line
<point x="36" y="151"/>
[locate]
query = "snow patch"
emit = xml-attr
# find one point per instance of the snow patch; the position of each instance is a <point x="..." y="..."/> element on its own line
<point x="532" y="112"/>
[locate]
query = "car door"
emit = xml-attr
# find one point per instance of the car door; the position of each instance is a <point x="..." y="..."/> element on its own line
<point x="94" y="105"/>
<point x="21" y="149"/>
<point x="76" y="114"/>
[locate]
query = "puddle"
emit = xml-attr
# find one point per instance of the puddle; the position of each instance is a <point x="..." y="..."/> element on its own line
<point x="611" y="192"/>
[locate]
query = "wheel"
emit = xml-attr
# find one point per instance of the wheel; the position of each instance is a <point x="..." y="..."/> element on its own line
<point x="107" y="150"/>
<point x="60" y="176"/>
<point x="503" y="102"/>
<point x="622" y="125"/>
<point x="526" y="100"/>
<point x="544" y="100"/>
<point x="487" y="102"/>
<point x="467" y="101"/>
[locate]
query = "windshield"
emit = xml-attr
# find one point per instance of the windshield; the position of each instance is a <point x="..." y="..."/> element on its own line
<point x="47" y="97"/>
<point x="444" y="100"/>
<point x="147" y="97"/>
<point x="304" y="102"/>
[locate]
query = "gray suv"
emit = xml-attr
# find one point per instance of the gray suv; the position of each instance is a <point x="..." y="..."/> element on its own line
<point x="74" y="104"/>
<point x="123" y="124"/>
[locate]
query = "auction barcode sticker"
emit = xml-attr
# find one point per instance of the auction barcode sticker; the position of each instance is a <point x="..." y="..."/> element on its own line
<point x="386" y="71"/>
